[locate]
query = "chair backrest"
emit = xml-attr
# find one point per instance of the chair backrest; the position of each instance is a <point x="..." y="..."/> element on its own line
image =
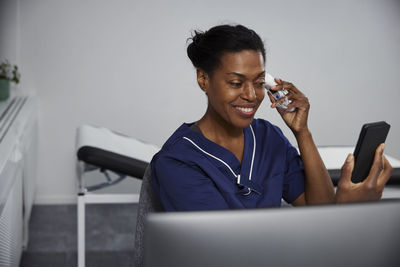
<point x="148" y="202"/>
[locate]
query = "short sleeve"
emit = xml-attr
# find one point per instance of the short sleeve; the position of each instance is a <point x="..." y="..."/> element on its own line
<point x="181" y="186"/>
<point x="293" y="185"/>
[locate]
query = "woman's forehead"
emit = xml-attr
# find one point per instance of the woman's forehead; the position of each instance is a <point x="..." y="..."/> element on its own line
<point x="246" y="61"/>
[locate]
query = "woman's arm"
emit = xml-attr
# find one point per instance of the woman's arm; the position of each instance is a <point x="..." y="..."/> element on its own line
<point x="318" y="184"/>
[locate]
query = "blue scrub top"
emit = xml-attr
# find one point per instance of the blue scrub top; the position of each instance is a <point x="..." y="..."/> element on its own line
<point x="191" y="172"/>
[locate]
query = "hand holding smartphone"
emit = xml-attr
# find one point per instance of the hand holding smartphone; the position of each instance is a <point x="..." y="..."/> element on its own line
<point x="371" y="136"/>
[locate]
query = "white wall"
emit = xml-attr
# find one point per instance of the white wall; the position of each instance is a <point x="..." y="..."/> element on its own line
<point x="9" y="31"/>
<point x="122" y="64"/>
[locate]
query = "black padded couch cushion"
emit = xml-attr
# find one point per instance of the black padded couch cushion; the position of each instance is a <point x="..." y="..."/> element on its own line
<point x="112" y="161"/>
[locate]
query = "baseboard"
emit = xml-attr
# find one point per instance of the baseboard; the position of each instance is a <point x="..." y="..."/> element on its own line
<point x="55" y="200"/>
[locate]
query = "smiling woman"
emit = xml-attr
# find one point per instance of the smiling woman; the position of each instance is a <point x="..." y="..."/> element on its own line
<point x="230" y="160"/>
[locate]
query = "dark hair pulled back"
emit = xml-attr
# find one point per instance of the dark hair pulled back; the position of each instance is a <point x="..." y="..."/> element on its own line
<point x="207" y="47"/>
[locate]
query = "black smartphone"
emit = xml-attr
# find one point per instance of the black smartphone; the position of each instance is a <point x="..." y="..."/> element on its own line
<point x="371" y="136"/>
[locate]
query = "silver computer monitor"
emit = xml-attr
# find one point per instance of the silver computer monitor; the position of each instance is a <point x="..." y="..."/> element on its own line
<point x="365" y="234"/>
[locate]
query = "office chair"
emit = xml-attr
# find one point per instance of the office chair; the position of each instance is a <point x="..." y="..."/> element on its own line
<point x="148" y="202"/>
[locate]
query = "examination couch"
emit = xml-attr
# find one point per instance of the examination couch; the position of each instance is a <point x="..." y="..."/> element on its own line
<point x="117" y="156"/>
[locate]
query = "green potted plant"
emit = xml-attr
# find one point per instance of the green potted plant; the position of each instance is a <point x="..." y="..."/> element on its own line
<point x="8" y="73"/>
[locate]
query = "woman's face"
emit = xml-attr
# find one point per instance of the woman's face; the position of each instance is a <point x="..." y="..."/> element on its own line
<point x="236" y="89"/>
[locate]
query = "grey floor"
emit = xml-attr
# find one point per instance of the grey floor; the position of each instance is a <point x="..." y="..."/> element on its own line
<point x="53" y="241"/>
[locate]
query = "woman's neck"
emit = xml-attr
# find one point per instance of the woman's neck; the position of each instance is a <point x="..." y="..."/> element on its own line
<point x="216" y="129"/>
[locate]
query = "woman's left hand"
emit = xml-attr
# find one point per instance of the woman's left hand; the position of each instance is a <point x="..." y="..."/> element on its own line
<point x="372" y="187"/>
<point x="297" y="119"/>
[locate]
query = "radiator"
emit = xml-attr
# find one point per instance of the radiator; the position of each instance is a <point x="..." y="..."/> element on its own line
<point x="11" y="226"/>
<point x="18" y="147"/>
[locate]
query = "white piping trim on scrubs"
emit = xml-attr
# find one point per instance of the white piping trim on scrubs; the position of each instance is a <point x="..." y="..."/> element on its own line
<point x="226" y="164"/>
<point x="248" y="193"/>
<point x="254" y="152"/>
<point x="237" y="176"/>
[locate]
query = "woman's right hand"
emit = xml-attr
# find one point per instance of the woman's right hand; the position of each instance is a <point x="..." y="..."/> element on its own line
<point x="296" y="120"/>
<point x="371" y="188"/>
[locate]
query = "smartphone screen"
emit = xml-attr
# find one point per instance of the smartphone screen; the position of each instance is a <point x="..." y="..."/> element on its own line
<point x="371" y="136"/>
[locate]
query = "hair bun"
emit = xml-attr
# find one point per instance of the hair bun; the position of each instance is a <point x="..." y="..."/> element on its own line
<point x="195" y="49"/>
<point x="206" y="48"/>
<point x="197" y="37"/>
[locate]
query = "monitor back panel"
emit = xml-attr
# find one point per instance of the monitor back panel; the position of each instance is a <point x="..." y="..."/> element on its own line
<point x="342" y="235"/>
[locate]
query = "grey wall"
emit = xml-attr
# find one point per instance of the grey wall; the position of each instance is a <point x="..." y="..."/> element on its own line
<point x="9" y="34"/>
<point x="122" y="64"/>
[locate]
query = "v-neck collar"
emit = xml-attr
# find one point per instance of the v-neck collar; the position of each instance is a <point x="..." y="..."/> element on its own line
<point x="216" y="149"/>
<point x="239" y="168"/>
